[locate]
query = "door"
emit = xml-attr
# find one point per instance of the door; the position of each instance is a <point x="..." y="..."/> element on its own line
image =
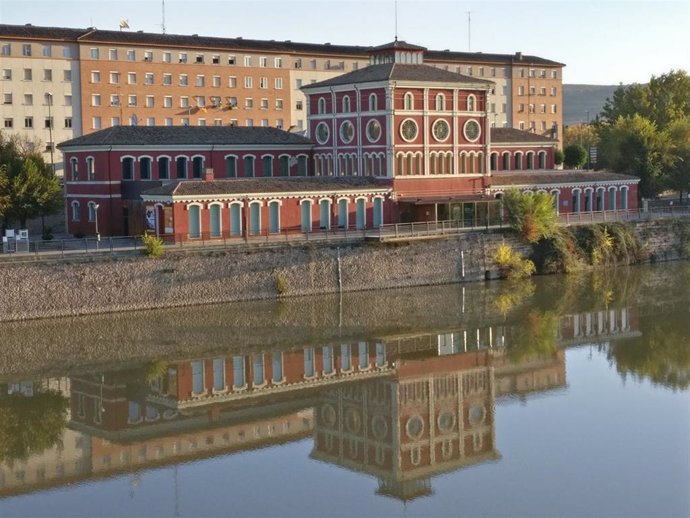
<point x="342" y="214"/>
<point x="255" y="219"/>
<point x="215" y="221"/>
<point x="325" y="215"/>
<point x="306" y="216"/>
<point x="194" y="222"/>
<point x="361" y="215"/>
<point x="235" y="219"/>
<point x="378" y="212"/>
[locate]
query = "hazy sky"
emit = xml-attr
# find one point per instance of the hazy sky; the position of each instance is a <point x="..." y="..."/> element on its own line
<point x="601" y="42"/>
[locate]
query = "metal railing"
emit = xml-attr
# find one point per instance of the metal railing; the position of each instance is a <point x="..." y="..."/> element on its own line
<point x="89" y="246"/>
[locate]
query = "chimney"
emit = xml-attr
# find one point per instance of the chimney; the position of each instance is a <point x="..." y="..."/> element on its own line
<point x="518" y="56"/>
<point x="208" y="174"/>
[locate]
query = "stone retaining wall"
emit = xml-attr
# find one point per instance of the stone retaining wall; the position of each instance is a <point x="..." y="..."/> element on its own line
<point x="125" y="283"/>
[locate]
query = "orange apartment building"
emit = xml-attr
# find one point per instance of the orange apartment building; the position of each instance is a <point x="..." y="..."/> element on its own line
<point x="104" y="78"/>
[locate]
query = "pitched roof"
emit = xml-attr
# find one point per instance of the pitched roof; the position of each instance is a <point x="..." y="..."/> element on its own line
<point x="187" y="135"/>
<point x="510" y="135"/>
<point x="547" y="178"/>
<point x="247" y="186"/>
<point x="397" y="45"/>
<point x="399" y="72"/>
<point x="196" y="41"/>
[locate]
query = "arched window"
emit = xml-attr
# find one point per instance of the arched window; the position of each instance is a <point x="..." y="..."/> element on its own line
<point x="408" y="101"/>
<point x="530" y="160"/>
<point x="612" y="198"/>
<point x="231" y="166"/>
<point x="284" y="165"/>
<point x="145" y="168"/>
<point x="576" y="200"/>
<point x="75" y="211"/>
<point x="542" y="160"/>
<point x="305" y="215"/>
<point x="325" y="214"/>
<point x="373" y="103"/>
<point x="588" y="200"/>
<point x="194" y="221"/>
<point x="506" y="161"/>
<point x="198" y="167"/>
<point x="181" y="166"/>
<point x="301" y="165"/>
<point x="248" y="166"/>
<point x="163" y="168"/>
<point x="321" y="108"/>
<point x="518" y="161"/>
<point x="440" y="102"/>
<point x="267" y="166"/>
<point x="74" y="169"/>
<point x="346" y="104"/>
<point x="90" y="168"/>
<point x="471" y="103"/>
<point x="494" y="161"/>
<point x="274" y="217"/>
<point x="624" y="198"/>
<point x="600" y="199"/>
<point x="128" y="168"/>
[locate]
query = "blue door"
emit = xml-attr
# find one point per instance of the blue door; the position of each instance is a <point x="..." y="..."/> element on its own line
<point x="235" y="219"/>
<point x="325" y="215"/>
<point x="215" y="220"/>
<point x="255" y="219"/>
<point x="194" y="222"/>
<point x="306" y="216"/>
<point x="342" y="214"/>
<point x="378" y="212"/>
<point x="361" y="215"/>
<point x="273" y="217"/>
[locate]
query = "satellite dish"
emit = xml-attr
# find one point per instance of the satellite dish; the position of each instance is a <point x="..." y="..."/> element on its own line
<point x="124" y="24"/>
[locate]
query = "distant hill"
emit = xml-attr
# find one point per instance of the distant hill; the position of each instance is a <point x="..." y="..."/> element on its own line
<point x="580" y="99"/>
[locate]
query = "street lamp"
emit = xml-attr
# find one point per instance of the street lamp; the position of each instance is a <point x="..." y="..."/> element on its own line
<point x="49" y="95"/>
<point x="95" y="209"/>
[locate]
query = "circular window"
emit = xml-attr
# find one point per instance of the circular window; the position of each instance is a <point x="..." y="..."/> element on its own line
<point x="379" y="427"/>
<point x="414" y="427"/>
<point x="472" y="130"/>
<point x="373" y="130"/>
<point x="322" y="133"/>
<point x="328" y="415"/>
<point x="446" y="421"/>
<point x="408" y="130"/>
<point x="353" y="422"/>
<point x="347" y="131"/>
<point x="441" y="130"/>
<point x="477" y="414"/>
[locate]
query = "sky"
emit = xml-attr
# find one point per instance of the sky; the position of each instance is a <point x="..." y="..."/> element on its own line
<point x="601" y="42"/>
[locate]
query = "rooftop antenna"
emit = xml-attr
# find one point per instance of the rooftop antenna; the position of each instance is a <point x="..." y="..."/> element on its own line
<point x="469" y="31"/>
<point x="163" y="20"/>
<point x="396" y="20"/>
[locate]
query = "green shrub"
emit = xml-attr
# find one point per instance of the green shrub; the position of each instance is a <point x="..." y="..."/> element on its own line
<point x="510" y="263"/>
<point x="282" y="285"/>
<point x="559" y="253"/>
<point x="153" y="246"/>
<point x="532" y="216"/>
<point x="610" y="244"/>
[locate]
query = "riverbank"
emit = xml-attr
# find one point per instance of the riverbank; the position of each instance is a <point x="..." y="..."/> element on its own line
<point x="184" y="278"/>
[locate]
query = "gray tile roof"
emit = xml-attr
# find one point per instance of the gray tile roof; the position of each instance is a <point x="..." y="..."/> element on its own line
<point x="187" y="135"/>
<point x="269" y="185"/>
<point x="511" y="135"/>
<point x="546" y="178"/>
<point x="93" y="35"/>
<point x="399" y="72"/>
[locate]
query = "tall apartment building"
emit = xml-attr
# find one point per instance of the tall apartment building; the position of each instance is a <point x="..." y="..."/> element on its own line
<point x="91" y="79"/>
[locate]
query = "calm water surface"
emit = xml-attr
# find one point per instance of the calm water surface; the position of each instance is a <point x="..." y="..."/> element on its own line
<point x="565" y="396"/>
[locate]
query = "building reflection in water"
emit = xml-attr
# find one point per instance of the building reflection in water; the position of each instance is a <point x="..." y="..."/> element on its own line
<point x="401" y="408"/>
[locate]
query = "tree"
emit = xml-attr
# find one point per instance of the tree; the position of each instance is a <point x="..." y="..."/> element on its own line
<point x="28" y="186"/>
<point x="678" y="175"/>
<point x="633" y="145"/>
<point x="665" y="99"/>
<point x="34" y="191"/>
<point x="574" y="156"/>
<point x="584" y="135"/>
<point x="30" y="425"/>
<point x="533" y="216"/>
<point x="558" y="156"/>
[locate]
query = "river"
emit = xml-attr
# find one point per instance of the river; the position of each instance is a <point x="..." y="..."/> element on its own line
<point x="559" y="396"/>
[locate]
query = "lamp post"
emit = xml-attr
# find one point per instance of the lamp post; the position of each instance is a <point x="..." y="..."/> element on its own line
<point x="95" y="209"/>
<point x="49" y="95"/>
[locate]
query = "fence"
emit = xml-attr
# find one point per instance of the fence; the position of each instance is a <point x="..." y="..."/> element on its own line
<point x="59" y="249"/>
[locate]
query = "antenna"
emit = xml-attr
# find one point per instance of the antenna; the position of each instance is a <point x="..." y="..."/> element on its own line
<point x="396" y="20"/>
<point x="469" y="31"/>
<point x="163" y="19"/>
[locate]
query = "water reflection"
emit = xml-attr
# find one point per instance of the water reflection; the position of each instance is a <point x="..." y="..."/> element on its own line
<point x="401" y="402"/>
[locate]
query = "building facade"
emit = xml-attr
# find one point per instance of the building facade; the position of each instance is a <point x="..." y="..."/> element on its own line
<point x="100" y="79"/>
